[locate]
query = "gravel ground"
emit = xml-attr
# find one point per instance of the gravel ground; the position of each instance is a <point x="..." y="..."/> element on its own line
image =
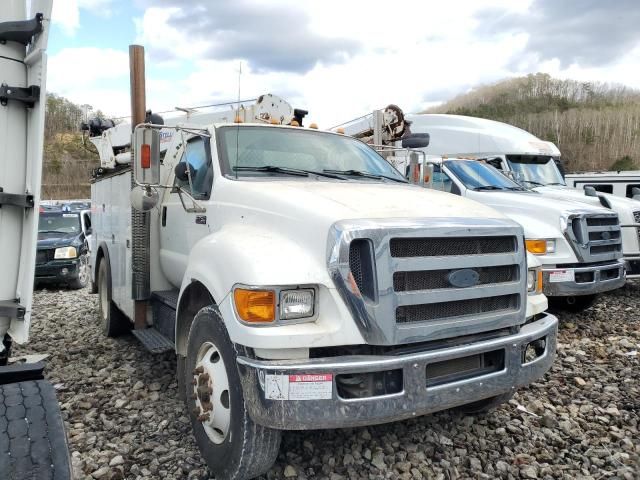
<point x="124" y="419"/>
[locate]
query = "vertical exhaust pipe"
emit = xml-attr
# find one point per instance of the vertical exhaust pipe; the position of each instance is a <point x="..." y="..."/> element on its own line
<point x="140" y="221"/>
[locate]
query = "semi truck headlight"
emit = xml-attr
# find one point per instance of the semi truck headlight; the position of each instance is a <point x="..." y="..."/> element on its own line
<point x="296" y="304"/>
<point x="534" y="280"/>
<point x="541" y="247"/>
<point x="255" y="306"/>
<point x="65" y="252"/>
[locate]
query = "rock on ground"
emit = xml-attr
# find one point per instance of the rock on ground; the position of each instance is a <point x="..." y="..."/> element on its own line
<point x="124" y="418"/>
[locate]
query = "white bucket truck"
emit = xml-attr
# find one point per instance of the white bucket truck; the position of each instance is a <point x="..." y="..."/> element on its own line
<point x="304" y="284"/>
<point x="33" y="442"/>
<point x="579" y="245"/>
<point x="533" y="163"/>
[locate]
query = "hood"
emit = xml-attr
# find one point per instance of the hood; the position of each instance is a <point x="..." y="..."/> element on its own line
<point x="562" y="192"/>
<point x="538" y="214"/>
<point x="58" y="239"/>
<point x="335" y="200"/>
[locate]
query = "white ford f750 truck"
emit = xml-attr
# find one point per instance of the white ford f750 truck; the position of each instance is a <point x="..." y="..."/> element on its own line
<point x="33" y="442"/>
<point x="534" y="163"/>
<point x="304" y="284"/>
<point x="579" y="245"/>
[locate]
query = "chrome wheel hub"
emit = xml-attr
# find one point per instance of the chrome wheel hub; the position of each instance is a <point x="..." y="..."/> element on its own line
<point x="210" y="393"/>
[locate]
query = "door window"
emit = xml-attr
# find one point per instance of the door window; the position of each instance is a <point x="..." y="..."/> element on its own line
<point x="602" y="187"/>
<point x="630" y="189"/>
<point x="197" y="156"/>
<point x="442" y="181"/>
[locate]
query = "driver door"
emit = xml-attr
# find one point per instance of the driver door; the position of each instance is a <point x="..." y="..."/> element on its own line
<point x="180" y="229"/>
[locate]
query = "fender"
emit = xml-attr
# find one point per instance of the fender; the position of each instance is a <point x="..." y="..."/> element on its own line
<point x="102" y="252"/>
<point x="248" y="255"/>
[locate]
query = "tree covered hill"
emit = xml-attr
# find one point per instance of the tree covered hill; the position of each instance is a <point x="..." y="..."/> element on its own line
<point x="68" y="158"/>
<point x="595" y="125"/>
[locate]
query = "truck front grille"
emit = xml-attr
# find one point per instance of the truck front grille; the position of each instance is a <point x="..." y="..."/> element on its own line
<point x="44" y="255"/>
<point x="409" y="281"/>
<point x="437" y="247"/>
<point x="436" y="279"/>
<point x="597" y="237"/>
<point x="477" y="306"/>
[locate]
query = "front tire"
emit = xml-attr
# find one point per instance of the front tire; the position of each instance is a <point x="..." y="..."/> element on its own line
<point x="112" y="321"/>
<point x="83" y="273"/>
<point x="234" y="447"/>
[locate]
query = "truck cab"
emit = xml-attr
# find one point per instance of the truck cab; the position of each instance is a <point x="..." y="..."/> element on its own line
<point x="534" y="163"/>
<point x="578" y="245"/>
<point x="304" y="284"/>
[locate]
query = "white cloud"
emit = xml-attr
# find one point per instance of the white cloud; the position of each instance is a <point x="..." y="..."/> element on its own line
<point x="66" y="13"/>
<point x="413" y="54"/>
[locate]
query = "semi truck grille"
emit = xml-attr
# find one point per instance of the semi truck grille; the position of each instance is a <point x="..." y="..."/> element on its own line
<point x="476" y="306"/>
<point x="428" y="279"/>
<point x="436" y="279"/>
<point x="597" y="237"/>
<point x="438" y="247"/>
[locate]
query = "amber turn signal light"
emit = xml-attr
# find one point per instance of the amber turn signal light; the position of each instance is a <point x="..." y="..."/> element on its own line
<point x="536" y="246"/>
<point x="255" y="306"/>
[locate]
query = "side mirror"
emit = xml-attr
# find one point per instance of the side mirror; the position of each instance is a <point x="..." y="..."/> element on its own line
<point x="182" y="172"/>
<point x="146" y="142"/>
<point x="635" y="192"/>
<point x="590" y="192"/>
<point x="416" y="140"/>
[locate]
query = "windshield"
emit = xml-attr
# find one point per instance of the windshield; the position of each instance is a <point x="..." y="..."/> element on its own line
<point x="535" y="171"/>
<point x="59" y="222"/>
<point x="479" y="175"/>
<point x="258" y="151"/>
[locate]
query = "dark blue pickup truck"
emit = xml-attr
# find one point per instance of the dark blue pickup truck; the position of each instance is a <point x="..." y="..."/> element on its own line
<point x="63" y="247"/>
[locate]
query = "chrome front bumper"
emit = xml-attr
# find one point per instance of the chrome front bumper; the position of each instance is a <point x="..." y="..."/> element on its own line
<point x="632" y="265"/>
<point x="593" y="280"/>
<point x="415" y="398"/>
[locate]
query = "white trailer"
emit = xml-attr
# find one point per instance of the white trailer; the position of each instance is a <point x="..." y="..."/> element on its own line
<point x="32" y="437"/>
<point x="304" y="284"/>
<point x="625" y="184"/>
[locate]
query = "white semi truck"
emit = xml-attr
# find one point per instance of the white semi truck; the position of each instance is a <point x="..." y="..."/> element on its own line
<point x="304" y="284"/>
<point x="32" y="438"/>
<point x="534" y="163"/>
<point x="579" y="245"/>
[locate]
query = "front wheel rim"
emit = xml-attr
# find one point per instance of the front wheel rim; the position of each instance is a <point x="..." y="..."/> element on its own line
<point x="210" y="393"/>
<point x="82" y="270"/>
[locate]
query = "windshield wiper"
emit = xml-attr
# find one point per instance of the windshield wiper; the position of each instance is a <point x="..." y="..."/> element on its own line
<point x="488" y="187"/>
<point x="285" y="170"/>
<point x="358" y="173"/>
<point x="532" y="182"/>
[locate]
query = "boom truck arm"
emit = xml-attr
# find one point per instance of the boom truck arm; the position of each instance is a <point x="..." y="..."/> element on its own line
<point x="38" y="450"/>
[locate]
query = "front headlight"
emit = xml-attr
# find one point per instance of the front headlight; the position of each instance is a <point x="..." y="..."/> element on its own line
<point x="296" y="304"/>
<point x="541" y="246"/>
<point x="534" y="280"/>
<point x="65" y="252"/>
<point x="274" y="305"/>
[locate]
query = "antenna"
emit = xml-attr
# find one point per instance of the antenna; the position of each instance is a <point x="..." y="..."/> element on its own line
<point x="237" y="119"/>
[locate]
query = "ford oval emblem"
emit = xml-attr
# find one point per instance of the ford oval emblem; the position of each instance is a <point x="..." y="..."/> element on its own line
<point x="606" y="236"/>
<point x="464" y="278"/>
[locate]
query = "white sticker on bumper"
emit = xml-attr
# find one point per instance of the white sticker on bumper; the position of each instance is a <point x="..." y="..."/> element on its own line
<point x="556" y="276"/>
<point x="299" y="387"/>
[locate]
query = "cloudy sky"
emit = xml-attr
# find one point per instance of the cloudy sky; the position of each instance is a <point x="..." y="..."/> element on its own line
<point x="336" y="58"/>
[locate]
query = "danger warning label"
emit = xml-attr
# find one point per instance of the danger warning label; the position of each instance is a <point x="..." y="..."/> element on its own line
<point x="299" y="387"/>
